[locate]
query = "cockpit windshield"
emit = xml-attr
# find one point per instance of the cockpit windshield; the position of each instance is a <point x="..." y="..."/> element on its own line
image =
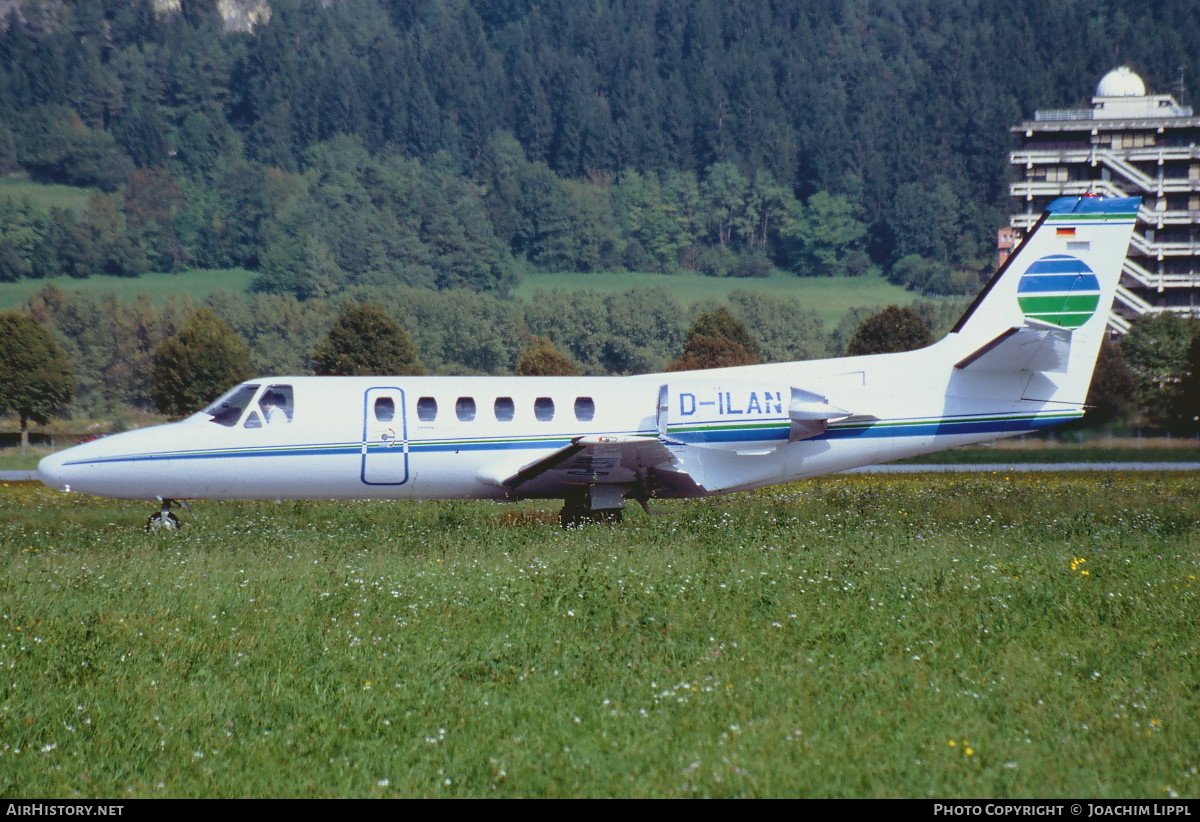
<point x="228" y="410"/>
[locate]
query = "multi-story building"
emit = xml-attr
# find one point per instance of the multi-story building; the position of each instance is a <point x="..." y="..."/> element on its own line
<point x="1128" y="143"/>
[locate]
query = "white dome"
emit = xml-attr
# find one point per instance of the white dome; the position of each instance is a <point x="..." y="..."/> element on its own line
<point x="1121" y="82"/>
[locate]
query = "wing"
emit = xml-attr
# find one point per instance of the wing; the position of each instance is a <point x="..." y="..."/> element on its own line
<point x="596" y="460"/>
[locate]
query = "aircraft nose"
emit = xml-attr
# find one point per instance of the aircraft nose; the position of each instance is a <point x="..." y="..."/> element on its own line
<point x="52" y="472"/>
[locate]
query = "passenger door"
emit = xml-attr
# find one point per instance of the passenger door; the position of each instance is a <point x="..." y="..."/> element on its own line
<point x="385" y="437"/>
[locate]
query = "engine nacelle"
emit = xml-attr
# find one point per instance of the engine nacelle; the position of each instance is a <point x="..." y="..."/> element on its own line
<point x="741" y="416"/>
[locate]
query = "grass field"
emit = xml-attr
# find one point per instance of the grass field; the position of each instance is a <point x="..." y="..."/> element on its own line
<point x="45" y="195"/>
<point x="198" y="282"/>
<point x="929" y="636"/>
<point x="830" y="297"/>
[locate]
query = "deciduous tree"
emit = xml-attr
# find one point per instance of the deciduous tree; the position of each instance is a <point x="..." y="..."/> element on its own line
<point x="1156" y="351"/>
<point x="716" y="340"/>
<point x="820" y="236"/>
<point x="1110" y="395"/>
<point x="1189" y="389"/>
<point x="193" y="367"/>
<point x="364" y="341"/>
<point x="892" y="329"/>
<point x="35" y="377"/>
<point x="541" y="358"/>
<point x="784" y="327"/>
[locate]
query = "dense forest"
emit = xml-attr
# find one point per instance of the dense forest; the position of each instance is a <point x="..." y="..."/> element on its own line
<point x="445" y="143"/>
<point x="423" y="153"/>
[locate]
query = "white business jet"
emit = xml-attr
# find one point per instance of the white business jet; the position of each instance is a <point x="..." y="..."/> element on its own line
<point x="1019" y="360"/>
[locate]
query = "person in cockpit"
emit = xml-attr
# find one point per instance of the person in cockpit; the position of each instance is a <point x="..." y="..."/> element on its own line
<point x="274" y="408"/>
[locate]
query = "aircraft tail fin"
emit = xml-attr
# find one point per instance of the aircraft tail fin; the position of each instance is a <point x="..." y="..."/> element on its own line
<point x="1045" y="310"/>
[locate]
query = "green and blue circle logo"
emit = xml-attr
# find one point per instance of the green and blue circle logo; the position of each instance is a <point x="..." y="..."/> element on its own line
<point x="1059" y="289"/>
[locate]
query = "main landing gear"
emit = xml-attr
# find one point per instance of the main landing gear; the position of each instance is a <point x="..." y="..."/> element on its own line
<point x="598" y="504"/>
<point x="163" y="519"/>
<point x="576" y="513"/>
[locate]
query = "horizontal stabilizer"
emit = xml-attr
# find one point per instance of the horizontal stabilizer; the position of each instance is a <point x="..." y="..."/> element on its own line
<point x="810" y="414"/>
<point x="806" y="405"/>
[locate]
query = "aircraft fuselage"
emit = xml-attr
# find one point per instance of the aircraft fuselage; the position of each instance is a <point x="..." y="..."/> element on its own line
<point x="462" y="437"/>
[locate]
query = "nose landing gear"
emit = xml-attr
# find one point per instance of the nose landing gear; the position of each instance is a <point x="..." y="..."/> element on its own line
<point x="163" y="519"/>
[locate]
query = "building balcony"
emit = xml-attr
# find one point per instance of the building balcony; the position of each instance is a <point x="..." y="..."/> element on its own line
<point x="1121" y="165"/>
<point x="1159" y="250"/>
<point x="1140" y="276"/>
<point x="1030" y="189"/>
<point x="1060" y="154"/>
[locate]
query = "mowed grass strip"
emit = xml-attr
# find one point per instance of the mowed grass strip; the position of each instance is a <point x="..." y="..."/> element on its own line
<point x="830" y="297"/>
<point x="982" y="636"/>
<point x="197" y="283"/>
<point x="44" y="195"/>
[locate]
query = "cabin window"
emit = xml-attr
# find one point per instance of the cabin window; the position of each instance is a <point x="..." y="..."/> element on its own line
<point x="585" y="409"/>
<point x="385" y="409"/>
<point x="464" y="407"/>
<point x="276" y="404"/>
<point x="228" y="409"/>
<point x="426" y="409"/>
<point x="505" y="409"/>
<point x="543" y="409"/>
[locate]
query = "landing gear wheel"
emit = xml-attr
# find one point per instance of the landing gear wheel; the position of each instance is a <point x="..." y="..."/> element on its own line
<point x="163" y="521"/>
<point x="572" y="514"/>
